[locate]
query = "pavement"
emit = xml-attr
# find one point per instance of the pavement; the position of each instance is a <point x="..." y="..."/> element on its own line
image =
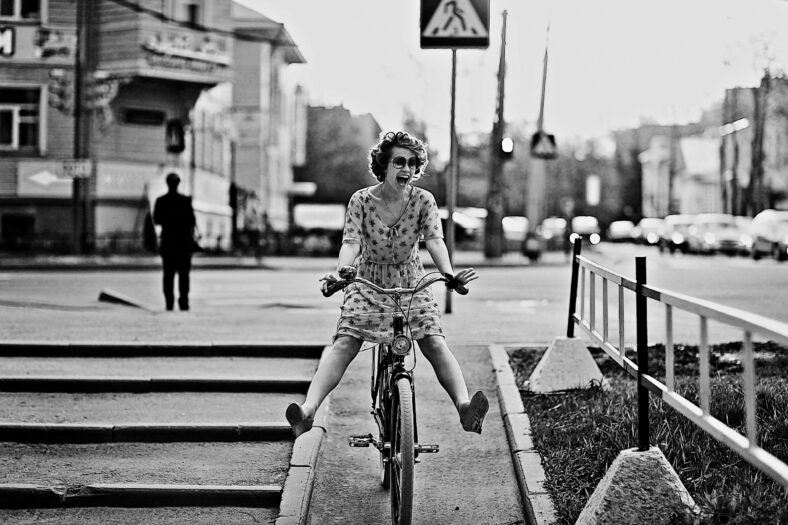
<point x="461" y="258"/>
<point x="493" y="478"/>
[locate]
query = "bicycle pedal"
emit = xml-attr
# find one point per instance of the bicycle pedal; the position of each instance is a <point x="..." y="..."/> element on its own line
<point x="360" y="440"/>
<point x="427" y="449"/>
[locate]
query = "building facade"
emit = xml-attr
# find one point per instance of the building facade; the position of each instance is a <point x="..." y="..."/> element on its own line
<point x="99" y="100"/>
<point x="269" y="114"/>
<point x="754" y="148"/>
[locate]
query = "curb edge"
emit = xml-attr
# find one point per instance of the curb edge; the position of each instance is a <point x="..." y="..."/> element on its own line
<point x="538" y="506"/>
<point x="297" y="489"/>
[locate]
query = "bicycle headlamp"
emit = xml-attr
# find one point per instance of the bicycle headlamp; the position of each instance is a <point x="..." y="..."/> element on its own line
<point x="401" y="345"/>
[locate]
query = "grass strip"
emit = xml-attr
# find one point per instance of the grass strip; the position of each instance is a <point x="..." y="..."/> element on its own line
<point x="580" y="433"/>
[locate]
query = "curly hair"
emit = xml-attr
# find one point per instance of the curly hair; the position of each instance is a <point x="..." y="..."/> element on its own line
<point x="380" y="153"/>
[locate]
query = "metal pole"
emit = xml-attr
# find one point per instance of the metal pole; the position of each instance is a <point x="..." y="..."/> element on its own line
<point x="493" y="241"/>
<point x="642" y="348"/>
<point x="570" y="325"/>
<point x="77" y="217"/>
<point x="451" y="190"/>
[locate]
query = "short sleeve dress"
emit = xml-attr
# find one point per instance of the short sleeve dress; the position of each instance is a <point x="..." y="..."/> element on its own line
<point x="389" y="258"/>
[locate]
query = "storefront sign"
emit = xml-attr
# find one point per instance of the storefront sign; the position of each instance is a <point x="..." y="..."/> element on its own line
<point x="52" y="45"/>
<point x="179" y="51"/>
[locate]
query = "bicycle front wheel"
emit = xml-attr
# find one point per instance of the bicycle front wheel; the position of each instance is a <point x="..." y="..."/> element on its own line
<point x="402" y="454"/>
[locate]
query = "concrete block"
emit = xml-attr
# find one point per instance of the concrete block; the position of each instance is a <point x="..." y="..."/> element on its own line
<point x="108" y="295"/>
<point x="306" y="448"/>
<point x="296" y="495"/>
<point x="508" y="393"/>
<point x="566" y="365"/>
<point x="639" y="487"/>
<point x="533" y="473"/>
<point x="518" y="427"/>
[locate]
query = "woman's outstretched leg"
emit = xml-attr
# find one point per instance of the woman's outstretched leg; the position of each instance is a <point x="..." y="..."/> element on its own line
<point x="329" y="372"/>
<point x="471" y="411"/>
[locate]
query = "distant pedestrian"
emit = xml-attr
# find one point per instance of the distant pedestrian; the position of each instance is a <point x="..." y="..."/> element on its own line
<point x="174" y="213"/>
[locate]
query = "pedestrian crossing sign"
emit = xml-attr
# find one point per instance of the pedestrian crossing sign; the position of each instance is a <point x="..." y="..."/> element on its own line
<point x="455" y="24"/>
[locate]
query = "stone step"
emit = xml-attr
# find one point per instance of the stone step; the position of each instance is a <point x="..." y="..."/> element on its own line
<point x="127" y="470"/>
<point x="130" y="408"/>
<point x="191" y="367"/>
<point x="125" y="516"/>
<point x="154" y="349"/>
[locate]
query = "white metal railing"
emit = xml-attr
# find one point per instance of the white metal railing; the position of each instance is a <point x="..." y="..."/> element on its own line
<point x="750" y="324"/>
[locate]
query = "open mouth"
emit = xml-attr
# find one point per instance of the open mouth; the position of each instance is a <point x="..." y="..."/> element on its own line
<point x="402" y="180"/>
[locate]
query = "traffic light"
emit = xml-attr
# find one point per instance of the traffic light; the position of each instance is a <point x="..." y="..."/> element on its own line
<point x="506" y="149"/>
<point x="60" y="90"/>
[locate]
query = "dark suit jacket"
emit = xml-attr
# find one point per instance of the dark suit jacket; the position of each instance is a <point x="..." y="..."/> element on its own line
<point x="173" y="211"/>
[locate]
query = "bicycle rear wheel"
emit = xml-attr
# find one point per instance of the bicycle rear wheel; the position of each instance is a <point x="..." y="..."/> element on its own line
<point x="402" y="454"/>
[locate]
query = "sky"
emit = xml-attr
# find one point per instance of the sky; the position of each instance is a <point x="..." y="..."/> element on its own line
<point x="612" y="63"/>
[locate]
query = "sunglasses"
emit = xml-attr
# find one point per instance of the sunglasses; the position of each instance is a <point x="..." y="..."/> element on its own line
<point x="401" y="162"/>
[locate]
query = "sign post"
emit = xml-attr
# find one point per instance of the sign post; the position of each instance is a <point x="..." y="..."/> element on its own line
<point x="453" y="24"/>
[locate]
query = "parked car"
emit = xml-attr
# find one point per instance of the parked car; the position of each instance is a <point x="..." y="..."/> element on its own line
<point x="716" y="233"/>
<point x="675" y="232"/>
<point x="649" y="230"/>
<point x="587" y="228"/>
<point x="515" y="227"/>
<point x="317" y="228"/>
<point x="620" y="231"/>
<point x="466" y="227"/>
<point x="552" y="230"/>
<point x="768" y="230"/>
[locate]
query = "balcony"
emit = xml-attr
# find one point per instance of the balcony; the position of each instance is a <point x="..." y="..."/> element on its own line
<point x="132" y="43"/>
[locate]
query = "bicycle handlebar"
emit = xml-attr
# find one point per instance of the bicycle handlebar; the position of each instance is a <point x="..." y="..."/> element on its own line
<point x="334" y="287"/>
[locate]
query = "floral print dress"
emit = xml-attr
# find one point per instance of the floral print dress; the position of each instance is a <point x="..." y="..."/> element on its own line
<point x="389" y="258"/>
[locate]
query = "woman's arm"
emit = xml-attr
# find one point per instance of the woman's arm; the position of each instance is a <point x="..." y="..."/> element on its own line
<point x="347" y="256"/>
<point x="440" y="256"/>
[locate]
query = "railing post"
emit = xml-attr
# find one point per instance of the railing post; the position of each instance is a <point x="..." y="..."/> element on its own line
<point x="570" y="325"/>
<point x="642" y="348"/>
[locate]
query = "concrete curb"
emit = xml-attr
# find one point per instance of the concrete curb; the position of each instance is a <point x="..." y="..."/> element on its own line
<point x="527" y="460"/>
<point x="141" y="432"/>
<point x="20" y="496"/>
<point x="309" y="350"/>
<point x="297" y="490"/>
<point x="148" y="384"/>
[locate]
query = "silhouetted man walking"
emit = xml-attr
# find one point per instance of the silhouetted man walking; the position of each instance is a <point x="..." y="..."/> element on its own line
<point x="173" y="212"/>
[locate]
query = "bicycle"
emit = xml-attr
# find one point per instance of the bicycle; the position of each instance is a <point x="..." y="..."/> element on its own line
<point x="394" y="398"/>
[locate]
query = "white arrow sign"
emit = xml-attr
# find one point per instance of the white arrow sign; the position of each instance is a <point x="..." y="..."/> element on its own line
<point x="46" y="178"/>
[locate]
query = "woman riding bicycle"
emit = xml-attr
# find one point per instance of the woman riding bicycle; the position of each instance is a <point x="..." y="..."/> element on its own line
<point x="381" y="236"/>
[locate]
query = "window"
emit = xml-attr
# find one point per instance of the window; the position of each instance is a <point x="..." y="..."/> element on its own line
<point x="20" y="9"/>
<point x="143" y="117"/>
<point x="19" y="118"/>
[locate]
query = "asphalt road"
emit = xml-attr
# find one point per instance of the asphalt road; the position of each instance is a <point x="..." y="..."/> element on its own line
<point x="514" y="304"/>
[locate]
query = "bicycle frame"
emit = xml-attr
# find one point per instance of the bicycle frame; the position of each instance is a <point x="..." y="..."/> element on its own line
<point x="390" y="377"/>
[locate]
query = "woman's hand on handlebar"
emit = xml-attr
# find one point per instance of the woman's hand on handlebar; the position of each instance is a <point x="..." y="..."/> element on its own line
<point x="327" y="280"/>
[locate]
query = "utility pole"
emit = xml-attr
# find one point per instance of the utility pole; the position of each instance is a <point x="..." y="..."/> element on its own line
<point x="755" y="190"/>
<point x="454" y="172"/>
<point x="82" y="187"/>
<point x="493" y="237"/>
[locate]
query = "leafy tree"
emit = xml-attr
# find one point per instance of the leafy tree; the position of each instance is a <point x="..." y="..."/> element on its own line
<point x="337" y="153"/>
